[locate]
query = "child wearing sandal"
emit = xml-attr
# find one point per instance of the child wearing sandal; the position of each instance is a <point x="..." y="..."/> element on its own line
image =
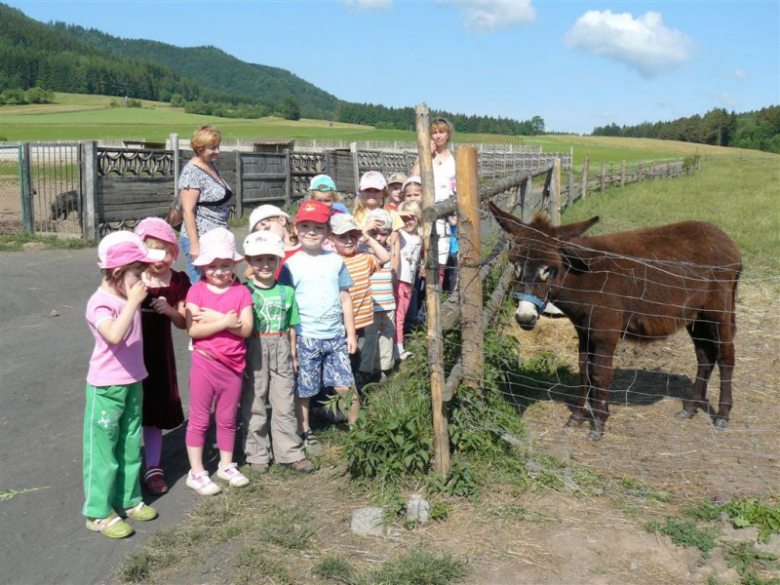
<point x="112" y="417"/>
<point x="326" y="333"/>
<point x="269" y="376"/>
<point x="219" y="319"/>
<point x="164" y="304"/>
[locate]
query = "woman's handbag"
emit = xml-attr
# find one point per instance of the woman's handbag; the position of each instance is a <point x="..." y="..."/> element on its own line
<point x="174" y="216"/>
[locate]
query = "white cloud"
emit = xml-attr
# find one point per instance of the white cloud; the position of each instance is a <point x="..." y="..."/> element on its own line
<point x="366" y="5"/>
<point x="643" y="43"/>
<point x="740" y="74"/>
<point x="727" y="100"/>
<point x="485" y="16"/>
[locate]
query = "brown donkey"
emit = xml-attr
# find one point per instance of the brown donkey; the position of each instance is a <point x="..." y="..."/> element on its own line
<point x="641" y="285"/>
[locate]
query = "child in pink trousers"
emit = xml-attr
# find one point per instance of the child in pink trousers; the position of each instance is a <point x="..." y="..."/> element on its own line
<point x="219" y="319"/>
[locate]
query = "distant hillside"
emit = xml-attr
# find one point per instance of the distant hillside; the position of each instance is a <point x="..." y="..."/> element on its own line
<point x="214" y="69"/>
<point x="33" y="54"/>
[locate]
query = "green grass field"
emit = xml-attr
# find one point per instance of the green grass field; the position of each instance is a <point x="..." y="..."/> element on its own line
<point x="90" y="117"/>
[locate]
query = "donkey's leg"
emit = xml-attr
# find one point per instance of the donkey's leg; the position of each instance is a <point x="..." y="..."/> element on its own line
<point x="577" y="402"/>
<point x="702" y="333"/>
<point x="726" y="359"/>
<point x="601" y="381"/>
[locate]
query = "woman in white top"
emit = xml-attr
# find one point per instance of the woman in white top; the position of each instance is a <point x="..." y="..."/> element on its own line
<point x="443" y="180"/>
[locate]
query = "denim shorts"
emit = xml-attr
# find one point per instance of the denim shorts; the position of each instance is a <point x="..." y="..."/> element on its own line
<point x="322" y="362"/>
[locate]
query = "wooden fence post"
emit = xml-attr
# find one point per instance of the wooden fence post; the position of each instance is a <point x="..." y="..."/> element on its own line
<point x="602" y="178"/>
<point x="622" y="174"/>
<point x="555" y="193"/>
<point x="570" y="188"/>
<point x="89" y="160"/>
<point x="441" y="436"/>
<point x="640" y="172"/>
<point x="584" y="180"/>
<point x="469" y="281"/>
<point x="355" y="164"/>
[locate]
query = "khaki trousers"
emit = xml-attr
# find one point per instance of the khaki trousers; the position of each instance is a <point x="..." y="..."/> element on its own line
<point x="269" y="379"/>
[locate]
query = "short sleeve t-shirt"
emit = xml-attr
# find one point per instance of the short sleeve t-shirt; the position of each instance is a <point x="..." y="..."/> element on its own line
<point x="318" y="281"/>
<point x="114" y="364"/>
<point x="411" y="252"/>
<point x="275" y="308"/>
<point x="361" y="267"/>
<point x="210" y="190"/>
<point x="226" y="347"/>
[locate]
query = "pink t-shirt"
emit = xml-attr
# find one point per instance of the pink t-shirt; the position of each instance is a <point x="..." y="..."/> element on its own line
<point x="119" y="364"/>
<point x="224" y="346"/>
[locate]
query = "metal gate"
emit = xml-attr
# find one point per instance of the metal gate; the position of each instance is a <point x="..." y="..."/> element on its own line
<point x="11" y="220"/>
<point x="51" y="198"/>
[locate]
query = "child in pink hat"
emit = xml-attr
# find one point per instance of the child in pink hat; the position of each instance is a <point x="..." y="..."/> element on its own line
<point x="112" y="418"/>
<point x="164" y="304"/>
<point x="219" y="316"/>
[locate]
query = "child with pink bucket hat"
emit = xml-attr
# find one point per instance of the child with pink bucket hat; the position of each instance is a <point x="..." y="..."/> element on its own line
<point x="112" y="417"/>
<point x="167" y="292"/>
<point x="219" y="315"/>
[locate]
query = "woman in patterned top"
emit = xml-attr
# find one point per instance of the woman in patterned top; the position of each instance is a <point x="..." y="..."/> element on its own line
<point x="205" y="196"/>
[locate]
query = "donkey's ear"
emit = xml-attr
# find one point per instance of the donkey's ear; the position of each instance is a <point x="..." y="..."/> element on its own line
<point x="575" y="259"/>
<point x="509" y="223"/>
<point x="572" y="230"/>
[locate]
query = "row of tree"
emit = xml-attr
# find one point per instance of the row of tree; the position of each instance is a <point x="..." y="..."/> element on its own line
<point x="19" y="97"/>
<point x="403" y="119"/>
<point x="759" y="130"/>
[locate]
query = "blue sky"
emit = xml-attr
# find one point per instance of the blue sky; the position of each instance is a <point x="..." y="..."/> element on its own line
<point x="577" y="64"/>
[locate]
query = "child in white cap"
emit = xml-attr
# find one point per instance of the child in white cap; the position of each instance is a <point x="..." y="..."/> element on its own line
<point x="269" y="218"/>
<point x="219" y="319"/>
<point x="167" y="292"/>
<point x="112" y="418"/>
<point x="269" y="376"/>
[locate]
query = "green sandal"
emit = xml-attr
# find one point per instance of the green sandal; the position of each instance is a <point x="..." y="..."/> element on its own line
<point x="141" y="512"/>
<point x="113" y="526"/>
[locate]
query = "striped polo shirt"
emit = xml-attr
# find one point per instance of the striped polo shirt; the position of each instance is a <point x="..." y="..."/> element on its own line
<point x="361" y="267"/>
<point x="382" y="288"/>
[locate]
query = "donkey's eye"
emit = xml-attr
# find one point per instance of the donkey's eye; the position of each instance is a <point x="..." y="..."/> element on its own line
<point x="545" y="272"/>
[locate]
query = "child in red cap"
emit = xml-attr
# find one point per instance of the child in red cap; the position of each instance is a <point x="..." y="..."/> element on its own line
<point x="326" y="332"/>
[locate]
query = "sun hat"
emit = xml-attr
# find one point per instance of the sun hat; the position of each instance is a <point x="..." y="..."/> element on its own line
<point x="315" y="211"/>
<point x="122" y="248"/>
<point x="263" y="243"/>
<point x="155" y="227"/>
<point x="264" y="212"/>
<point x="411" y="179"/>
<point x="381" y="215"/>
<point x="396" y="178"/>
<point x="372" y="180"/>
<point x="322" y="183"/>
<point x="216" y="244"/>
<point x="342" y="223"/>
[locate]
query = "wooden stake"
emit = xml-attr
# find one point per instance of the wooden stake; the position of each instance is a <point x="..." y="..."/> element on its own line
<point x="441" y="437"/>
<point x="470" y="283"/>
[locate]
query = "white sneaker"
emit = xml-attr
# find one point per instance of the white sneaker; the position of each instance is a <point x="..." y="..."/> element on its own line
<point x="202" y="484"/>
<point x="232" y="475"/>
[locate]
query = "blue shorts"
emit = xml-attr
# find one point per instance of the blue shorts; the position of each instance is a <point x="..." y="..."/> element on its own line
<point x="322" y="362"/>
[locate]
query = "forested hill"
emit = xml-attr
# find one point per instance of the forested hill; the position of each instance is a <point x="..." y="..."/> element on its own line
<point x="214" y="69"/>
<point x="33" y="54"/>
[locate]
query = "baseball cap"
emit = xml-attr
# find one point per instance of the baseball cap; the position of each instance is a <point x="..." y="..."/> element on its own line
<point x="218" y="243"/>
<point x="263" y="243"/>
<point x="412" y="179"/>
<point x="155" y="227"/>
<point x="396" y="178"/>
<point x="342" y="223"/>
<point x="315" y="211"/>
<point x="383" y="216"/>
<point x="122" y="248"/>
<point x="322" y="183"/>
<point x="264" y="212"/>
<point x="372" y="180"/>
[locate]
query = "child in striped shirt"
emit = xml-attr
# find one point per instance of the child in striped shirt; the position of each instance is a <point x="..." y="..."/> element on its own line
<point x="377" y="355"/>
<point x="346" y="237"/>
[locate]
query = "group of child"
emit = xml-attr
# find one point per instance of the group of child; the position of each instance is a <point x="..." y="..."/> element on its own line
<point x="323" y="307"/>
